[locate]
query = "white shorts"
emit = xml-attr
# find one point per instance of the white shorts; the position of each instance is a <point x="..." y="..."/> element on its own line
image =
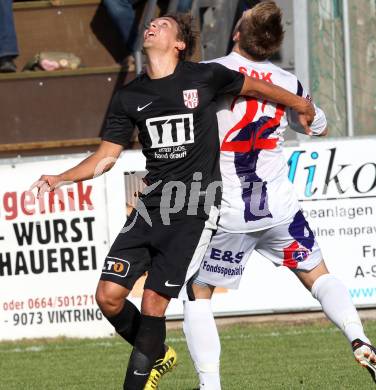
<point x="291" y="244"/>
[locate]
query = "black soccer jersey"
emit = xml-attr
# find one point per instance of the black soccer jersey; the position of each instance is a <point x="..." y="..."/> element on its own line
<point x="176" y="118"/>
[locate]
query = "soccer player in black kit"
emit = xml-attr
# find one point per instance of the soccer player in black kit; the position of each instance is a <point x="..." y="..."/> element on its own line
<point x="173" y="106"/>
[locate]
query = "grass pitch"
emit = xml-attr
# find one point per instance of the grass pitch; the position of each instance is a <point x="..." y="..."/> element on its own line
<point x="278" y="356"/>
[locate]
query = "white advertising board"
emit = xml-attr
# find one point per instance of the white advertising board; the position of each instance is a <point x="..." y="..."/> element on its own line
<point x="51" y="252"/>
<point x="335" y="181"/>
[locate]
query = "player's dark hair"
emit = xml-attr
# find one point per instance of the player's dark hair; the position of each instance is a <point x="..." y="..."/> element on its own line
<point x="261" y="30"/>
<point x="185" y="33"/>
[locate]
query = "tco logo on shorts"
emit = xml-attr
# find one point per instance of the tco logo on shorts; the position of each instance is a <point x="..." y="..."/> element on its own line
<point x="115" y="266"/>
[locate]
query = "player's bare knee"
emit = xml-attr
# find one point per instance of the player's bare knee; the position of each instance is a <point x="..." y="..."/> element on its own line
<point x="308" y="278"/>
<point x="110" y="298"/>
<point x="109" y="305"/>
<point x="202" y="291"/>
<point x="154" y="304"/>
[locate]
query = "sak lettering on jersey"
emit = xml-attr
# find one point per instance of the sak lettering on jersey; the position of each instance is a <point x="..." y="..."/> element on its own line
<point x="172" y="130"/>
<point x="266" y="76"/>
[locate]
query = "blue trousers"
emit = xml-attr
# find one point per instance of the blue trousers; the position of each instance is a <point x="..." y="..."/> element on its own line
<point x="123" y="15"/>
<point x="8" y="38"/>
<point x="184" y="5"/>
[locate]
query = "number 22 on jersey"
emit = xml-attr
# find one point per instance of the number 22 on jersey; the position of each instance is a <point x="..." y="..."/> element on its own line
<point x="256" y="140"/>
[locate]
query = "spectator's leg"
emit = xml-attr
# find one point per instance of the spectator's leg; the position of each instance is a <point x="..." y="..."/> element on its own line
<point x="184" y="5"/>
<point x="123" y="15"/>
<point x="8" y="38"/>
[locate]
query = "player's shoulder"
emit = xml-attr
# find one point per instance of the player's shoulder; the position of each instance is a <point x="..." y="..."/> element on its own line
<point x="269" y="71"/>
<point x="129" y="94"/>
<point x="195" y="66"/>
<point x="283" y="73"/>
<point x="199" y="70"/>
<point x="129" y="87"/>
<point x="220" y="60"/>
<point x="136" y="82"/>
<point x="218" y="66"/>
<point x="227" y="61"/>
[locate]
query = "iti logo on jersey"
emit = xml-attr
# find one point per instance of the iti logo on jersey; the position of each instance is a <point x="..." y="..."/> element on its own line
<point x="190" y="98"/>
<point x="172" y="130"/>
<point x="116" y="266"/>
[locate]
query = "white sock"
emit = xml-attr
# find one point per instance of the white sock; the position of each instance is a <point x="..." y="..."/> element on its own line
<point x="338" y="307"/>
<point x="203" y="342"/>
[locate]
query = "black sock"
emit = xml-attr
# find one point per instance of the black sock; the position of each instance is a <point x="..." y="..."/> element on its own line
<point x="127" y="322"/>
<point x="147" y="348"/>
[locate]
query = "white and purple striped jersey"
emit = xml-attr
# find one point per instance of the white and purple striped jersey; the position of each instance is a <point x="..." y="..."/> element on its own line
<point x="256" y="191"/>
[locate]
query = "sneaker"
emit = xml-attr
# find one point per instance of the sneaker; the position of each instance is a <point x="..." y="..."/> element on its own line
<point x="365" y="354"/>
<point x="161" y="367"/>
<point x="7" y="65"/>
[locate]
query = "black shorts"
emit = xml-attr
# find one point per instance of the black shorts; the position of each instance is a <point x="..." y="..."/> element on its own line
<point x="171" y="254"/>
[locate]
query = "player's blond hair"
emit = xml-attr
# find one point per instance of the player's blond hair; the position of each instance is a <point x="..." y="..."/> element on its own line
<point x="261" y="30"/>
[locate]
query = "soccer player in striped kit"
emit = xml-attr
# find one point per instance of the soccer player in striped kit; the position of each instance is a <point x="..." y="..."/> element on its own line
<point x="259" y="209"/>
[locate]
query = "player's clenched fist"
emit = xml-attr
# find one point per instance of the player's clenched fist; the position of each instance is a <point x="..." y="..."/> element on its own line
<point x="46" y="183"/>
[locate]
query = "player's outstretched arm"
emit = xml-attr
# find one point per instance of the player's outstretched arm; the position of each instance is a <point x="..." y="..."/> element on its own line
<point x="102" y="160"/>
<point x="264" y="90"/>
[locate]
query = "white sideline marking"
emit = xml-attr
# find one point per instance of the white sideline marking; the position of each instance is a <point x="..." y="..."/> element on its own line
<point x="108" y="344"/>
